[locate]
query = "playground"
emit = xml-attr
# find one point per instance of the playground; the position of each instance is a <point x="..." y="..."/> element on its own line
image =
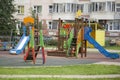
<point x="71" y="49"/>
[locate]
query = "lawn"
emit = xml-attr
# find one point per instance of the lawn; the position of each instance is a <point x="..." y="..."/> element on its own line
<point x="57" y="79"/>
<point x="90" y="69"/>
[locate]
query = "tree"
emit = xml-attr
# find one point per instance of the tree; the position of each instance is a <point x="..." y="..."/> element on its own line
<point x="7" y="21"/>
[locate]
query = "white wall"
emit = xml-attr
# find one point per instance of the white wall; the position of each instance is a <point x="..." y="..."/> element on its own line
<point x="64" y="1"/>
<point x="30" y="3"/>
<point x="63" y="16"/>
<point x="26" y="5"/>
<point x="102" y="15"/>
<point x="45" y="8"/>
<point x="100" y="0"/>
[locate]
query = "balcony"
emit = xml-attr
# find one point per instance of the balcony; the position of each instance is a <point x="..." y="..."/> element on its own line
<point x="102" y="15"/>
<point x="117" y="15"/>
<point x="64" y="1"/>
<point x="64" y="16"/>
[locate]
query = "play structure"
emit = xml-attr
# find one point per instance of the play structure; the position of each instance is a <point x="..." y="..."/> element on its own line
<point x="33" y="39"/>
<point x="73" y="37"/>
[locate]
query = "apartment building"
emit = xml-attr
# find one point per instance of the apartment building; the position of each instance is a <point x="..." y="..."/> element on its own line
<point x="106" y="12"/>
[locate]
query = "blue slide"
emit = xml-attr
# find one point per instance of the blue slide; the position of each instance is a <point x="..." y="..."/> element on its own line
<point x="21" y="45"/>
<point x="87" y="37"/>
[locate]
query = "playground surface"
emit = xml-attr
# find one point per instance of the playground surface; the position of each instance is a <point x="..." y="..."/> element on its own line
<point x="93" y="57"/>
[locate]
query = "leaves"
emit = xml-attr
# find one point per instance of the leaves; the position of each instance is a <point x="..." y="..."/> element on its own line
<point x="7" y="21"/>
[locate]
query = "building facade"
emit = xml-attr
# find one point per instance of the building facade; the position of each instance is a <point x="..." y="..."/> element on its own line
<point x="106" y="12"/>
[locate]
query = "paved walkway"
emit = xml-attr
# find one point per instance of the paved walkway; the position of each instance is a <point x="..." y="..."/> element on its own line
<point x="61" y="76"/>
<point x="108" y="63"/>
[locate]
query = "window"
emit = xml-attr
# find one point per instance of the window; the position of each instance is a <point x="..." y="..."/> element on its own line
<point x="113" y="6"/>
<point x="101" y="6"/>
<point x="94" y="6"/>
<point x="37" y="9"/>
<point x="118" y="4"/>
<point x="74" y="7"/>
<point x="20" y="9"/>
<point x="80" y="7"/>
<point x="116" y="26"/>
<point x="19" y="27"/>
<point x="64" y="7"/>
<point x="110" y="6"/>
<point x="19" y="24"/>
<point x="50" y="9"/>
<point x="61" y="8"/>
<point x="68" y="7"/>
<point x="50" y="25"/>
<point x="118" y="7"/>
<point x="106" y="27"/>
<point x="111" y="25"/>
<point x="55" y="24"/>
<point x="55" y="7"/>
<point x="98" y="6"/>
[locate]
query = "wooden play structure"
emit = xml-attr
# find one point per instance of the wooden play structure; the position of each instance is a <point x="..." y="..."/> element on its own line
<point x="69" y="43"/>
<point x="71" y="40"/>
<point x="36" y="41"/>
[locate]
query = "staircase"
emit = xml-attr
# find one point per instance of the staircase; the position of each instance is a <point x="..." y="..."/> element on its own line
<point x="73" y="47"/>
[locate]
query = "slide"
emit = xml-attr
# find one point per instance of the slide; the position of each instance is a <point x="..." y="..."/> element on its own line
<point x="21" y="45"/>
<point x="87" y="37"/>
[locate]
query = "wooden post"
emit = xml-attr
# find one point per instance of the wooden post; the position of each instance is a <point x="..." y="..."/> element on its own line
<point x="75" y="28"/>
<point x="85" y="48"/>
<point x="60" y="25"/>
<point x="43" y="55"/>
<point x="82" y="42"/>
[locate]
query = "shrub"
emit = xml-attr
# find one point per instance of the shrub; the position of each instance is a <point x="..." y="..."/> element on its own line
<point x="51" y="42"/>
<point x="107" y="43"/>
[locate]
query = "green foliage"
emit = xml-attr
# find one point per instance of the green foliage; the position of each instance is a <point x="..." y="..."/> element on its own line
<point x="50" y="42"/>
<point x="107" y="43"/>
<point x="40" y="25"/>
<point x="7" y="21"/>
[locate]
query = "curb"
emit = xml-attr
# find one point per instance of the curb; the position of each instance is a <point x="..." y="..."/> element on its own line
<point x="61" y="76"/>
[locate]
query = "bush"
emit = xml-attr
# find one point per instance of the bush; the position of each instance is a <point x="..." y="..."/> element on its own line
<point x="51" y="42"/>
<point x="107" y="43"/>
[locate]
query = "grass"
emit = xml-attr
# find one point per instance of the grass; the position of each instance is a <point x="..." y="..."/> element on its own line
<point x="112" y="47"/>
<point x="57" y="79"/>
<point x="65" y="70"/>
